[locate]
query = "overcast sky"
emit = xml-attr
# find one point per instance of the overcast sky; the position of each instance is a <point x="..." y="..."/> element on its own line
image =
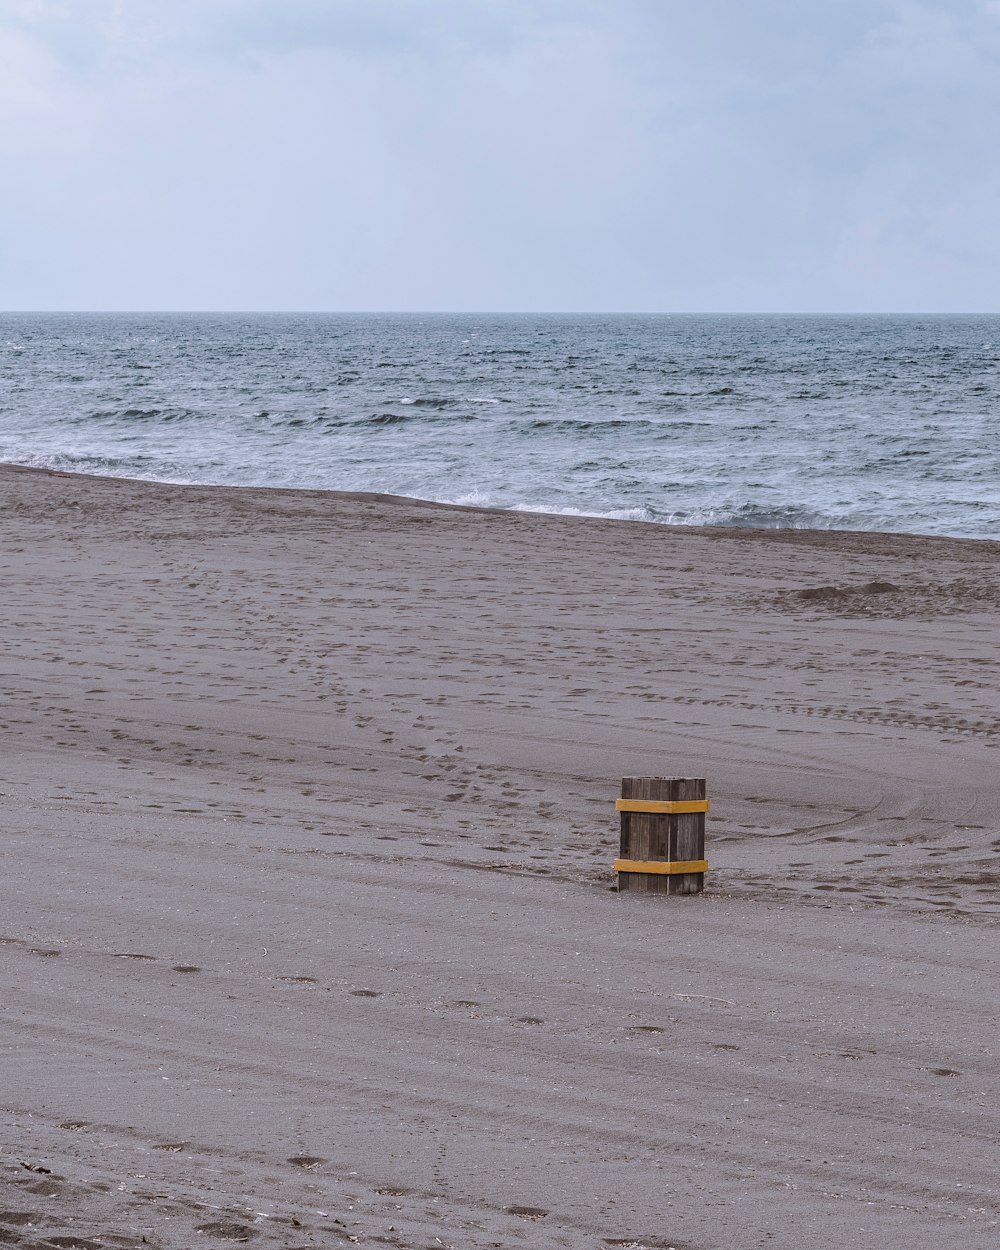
<point x="578" y="155"/>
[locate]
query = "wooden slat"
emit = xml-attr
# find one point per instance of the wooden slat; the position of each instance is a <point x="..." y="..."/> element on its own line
<point x="664" y="808"/>
<point x="687" y="840"/>
<point x="656" y="866"/>
<point x="643" y="835"/>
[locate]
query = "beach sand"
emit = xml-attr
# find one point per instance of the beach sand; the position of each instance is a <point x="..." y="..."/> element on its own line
<point x="307" y="919"/>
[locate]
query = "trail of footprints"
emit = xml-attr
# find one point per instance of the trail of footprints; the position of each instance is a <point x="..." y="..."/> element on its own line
<point x="873" y="716"/>
<point x="317" y="1204"/>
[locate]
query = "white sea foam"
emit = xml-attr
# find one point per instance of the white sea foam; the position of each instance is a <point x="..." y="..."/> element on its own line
<point x="486" y="499"/>
<point x="610" y="514"/>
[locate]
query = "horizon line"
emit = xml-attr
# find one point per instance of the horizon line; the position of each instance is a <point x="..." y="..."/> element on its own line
<point x="480" y="312"/>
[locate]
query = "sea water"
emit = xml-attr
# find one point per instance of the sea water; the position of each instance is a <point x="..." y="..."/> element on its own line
<point x="835" y="422"/>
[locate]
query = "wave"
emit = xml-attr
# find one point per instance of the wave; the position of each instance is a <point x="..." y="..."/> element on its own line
<point x="482" y="499"/>
<point x="127" y="417"/>
<point x="430" y="403"/>
<point x="388" y="418"/>
<point x="777" y="517"/>
<point x="323" y="422"/>
<point x="139" y="467"/>
<point x="608" y="514"/>
<point x="581" y="425"/>
<point x="585" y="425"/>
<point x="407" y="418"/>
<point x="444" y="402"/>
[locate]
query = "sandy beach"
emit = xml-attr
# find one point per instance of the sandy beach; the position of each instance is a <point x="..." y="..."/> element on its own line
<point x="308" y="925"/>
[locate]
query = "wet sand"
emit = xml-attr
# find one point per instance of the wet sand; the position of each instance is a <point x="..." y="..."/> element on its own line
<point x="307" y="921"/>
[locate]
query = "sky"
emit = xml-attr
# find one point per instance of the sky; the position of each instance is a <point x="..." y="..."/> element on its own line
<point x="500" y="155"/>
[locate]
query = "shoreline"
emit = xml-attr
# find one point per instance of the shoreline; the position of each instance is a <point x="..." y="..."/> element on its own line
<point x="419" y="501"/>
<point x="309" y="825"/>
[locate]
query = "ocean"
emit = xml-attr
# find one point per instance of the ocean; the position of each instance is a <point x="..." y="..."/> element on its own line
<point x="826" y="422"/>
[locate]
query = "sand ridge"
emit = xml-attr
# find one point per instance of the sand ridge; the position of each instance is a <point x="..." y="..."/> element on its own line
<point x="308" y="828"/>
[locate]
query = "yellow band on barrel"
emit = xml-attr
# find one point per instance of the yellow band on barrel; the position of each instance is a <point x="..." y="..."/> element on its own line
<point x="660" y="866"/>
<point x="654" y="807"/>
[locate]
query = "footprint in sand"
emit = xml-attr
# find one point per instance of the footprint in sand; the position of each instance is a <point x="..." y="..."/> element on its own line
<point x="227" y="1230"/>
<point x="528" y="1213"/>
